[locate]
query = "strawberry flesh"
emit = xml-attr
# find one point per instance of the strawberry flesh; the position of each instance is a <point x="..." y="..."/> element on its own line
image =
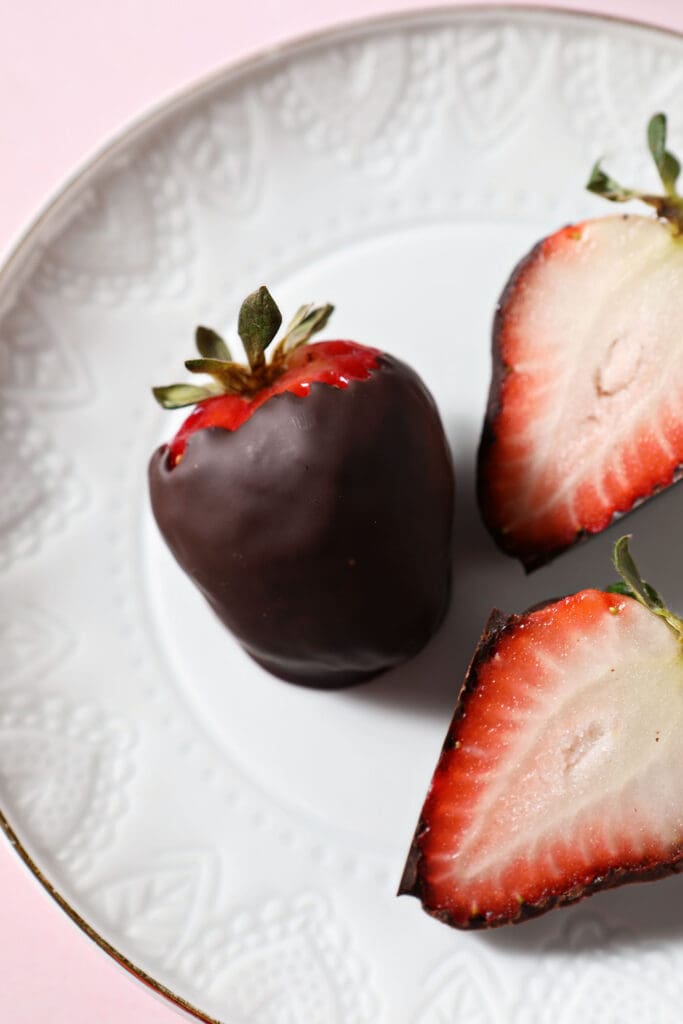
<point x="336" y="363"/>
<point x="585" y="415"/>
<point x="560" y="774"/>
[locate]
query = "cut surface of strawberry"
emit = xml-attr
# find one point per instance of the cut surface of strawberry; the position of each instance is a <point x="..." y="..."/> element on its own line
<point x="585" y="419"/>
<point x="560" y="774"/>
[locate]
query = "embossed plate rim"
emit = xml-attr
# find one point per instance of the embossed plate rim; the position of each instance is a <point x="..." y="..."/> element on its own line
<point x="19" y="247"/>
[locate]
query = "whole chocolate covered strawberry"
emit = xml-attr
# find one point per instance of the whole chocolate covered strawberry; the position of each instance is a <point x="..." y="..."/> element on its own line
<point x="310" y="498"/>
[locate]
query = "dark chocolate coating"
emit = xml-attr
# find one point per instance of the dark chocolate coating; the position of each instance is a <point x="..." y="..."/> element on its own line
<point x="320" y="530"/>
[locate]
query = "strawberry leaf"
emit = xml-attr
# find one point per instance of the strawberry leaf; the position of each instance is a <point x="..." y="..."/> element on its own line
<point x="620" y="588"/>
<point x="210" y="345"/>
<point x="641" y="590"/>
<point x="668" y="166"/>
<point x="668" y="206"/>
<point x="307" y="321"/>
<point x="603" y="185"/>
<point x="176" y="396"/>
<point x="258" y="323"/>
<point x="234" y="378"/>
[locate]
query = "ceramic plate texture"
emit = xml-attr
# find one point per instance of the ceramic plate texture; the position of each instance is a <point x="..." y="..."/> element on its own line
<point x="237" y="839"/>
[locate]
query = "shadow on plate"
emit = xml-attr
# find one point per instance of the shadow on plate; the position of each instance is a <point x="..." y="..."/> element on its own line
<point x="430" y="682"/>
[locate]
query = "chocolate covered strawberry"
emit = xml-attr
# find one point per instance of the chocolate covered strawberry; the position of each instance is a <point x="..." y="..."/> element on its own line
<point x="561" y="770"/>
<point x="310" y="498"/>
<point x="585" y="412"/>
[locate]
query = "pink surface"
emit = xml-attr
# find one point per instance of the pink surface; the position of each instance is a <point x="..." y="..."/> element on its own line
<point x="71" y="74"/>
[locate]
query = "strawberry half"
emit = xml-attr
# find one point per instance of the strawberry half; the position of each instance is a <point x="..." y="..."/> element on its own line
<point x="310" y="498"/>
<point x="560" y="774"/>
<point x="584" y="418"/>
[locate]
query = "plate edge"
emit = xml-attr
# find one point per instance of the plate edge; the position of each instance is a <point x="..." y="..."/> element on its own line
<point x="120" y="958"/>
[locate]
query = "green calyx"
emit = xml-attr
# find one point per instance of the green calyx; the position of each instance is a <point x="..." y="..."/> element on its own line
<point x="633" y="585"/>
<point x="669" y="206"/>
<point x="258" y="323"/>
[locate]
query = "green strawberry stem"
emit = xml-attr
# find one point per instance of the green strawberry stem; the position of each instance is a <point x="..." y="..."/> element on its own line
<point x="258" y="323"/>
<point x="668" y="206"/>
<point x="636" y="587"/>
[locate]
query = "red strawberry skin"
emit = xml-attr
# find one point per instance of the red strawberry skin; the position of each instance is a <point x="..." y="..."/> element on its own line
<point x="583" y="420"/>
<point x="537" y="800"/>
<point x="319" y="527"/>
<point x="336" y="363"/>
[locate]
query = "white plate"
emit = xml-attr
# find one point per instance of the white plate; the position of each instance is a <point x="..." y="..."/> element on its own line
<point x="237" y="839"/>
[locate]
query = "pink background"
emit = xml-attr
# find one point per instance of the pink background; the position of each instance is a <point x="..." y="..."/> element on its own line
<point x="71" y="74"/>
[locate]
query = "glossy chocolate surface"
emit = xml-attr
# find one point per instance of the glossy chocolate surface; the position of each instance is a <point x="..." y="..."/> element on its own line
<point x="320" y="530"/>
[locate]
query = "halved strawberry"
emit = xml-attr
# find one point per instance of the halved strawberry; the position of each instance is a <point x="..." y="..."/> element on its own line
<point x="585" y="413"/>
<point x="561" y="770"/>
